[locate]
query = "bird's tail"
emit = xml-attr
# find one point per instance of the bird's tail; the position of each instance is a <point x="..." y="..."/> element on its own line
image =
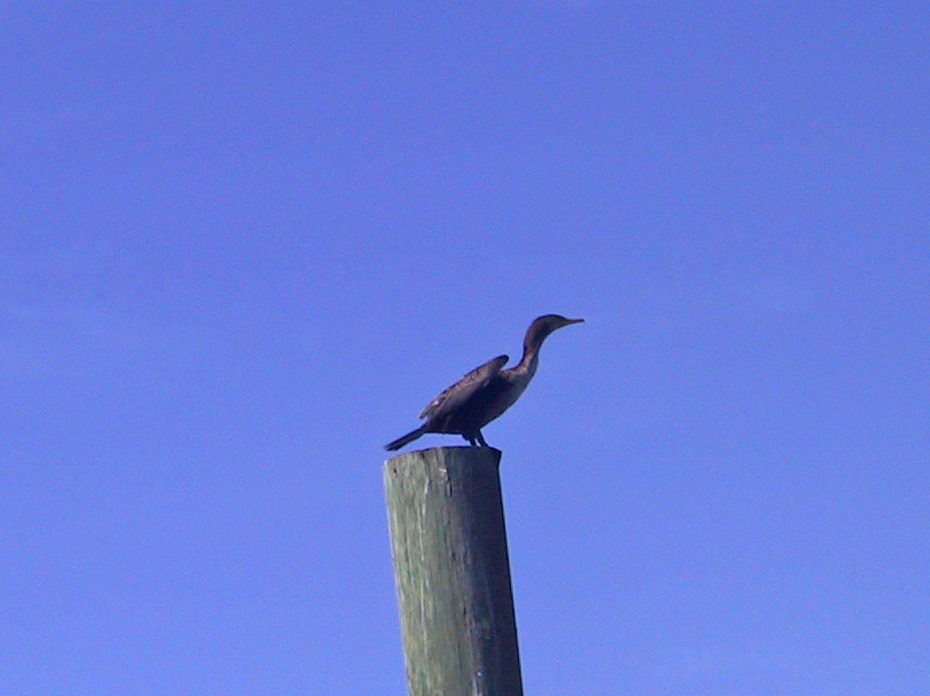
<point x="409" y="437"/>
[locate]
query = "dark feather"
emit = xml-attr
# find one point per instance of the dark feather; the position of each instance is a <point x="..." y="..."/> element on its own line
<point x="460" y="392"/>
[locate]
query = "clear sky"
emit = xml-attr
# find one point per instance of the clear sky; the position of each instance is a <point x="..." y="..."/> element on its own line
<point x="243" y="244"/>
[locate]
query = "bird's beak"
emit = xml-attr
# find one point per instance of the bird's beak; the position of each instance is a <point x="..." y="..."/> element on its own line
<point x="574" y="321"/>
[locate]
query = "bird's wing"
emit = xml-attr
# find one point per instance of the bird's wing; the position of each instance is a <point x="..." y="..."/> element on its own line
<point x="465" y="388"/>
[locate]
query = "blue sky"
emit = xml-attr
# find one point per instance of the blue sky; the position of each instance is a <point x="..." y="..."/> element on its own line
<point x="242" y="245"/>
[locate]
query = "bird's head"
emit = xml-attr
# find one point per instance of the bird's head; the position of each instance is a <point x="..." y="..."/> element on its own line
<point x="542" y="327"/>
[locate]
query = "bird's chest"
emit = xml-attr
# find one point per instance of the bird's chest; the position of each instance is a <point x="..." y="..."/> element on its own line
<point x="503" y="395"/>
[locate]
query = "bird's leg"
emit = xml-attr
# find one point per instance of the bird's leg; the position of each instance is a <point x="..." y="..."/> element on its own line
<point x="471" y="440"/>
<point x="482" y="441"/>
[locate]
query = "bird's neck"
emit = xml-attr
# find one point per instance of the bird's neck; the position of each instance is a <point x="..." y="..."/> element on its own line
<point x="529" y="362"/>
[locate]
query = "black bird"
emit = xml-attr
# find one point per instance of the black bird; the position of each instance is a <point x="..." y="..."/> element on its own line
<point x="485" y="392"/>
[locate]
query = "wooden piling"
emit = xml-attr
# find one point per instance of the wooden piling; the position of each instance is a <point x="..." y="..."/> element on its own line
<point x="452" y="572"/>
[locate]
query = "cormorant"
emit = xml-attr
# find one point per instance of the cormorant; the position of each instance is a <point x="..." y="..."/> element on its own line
<point x="485" y="392"/>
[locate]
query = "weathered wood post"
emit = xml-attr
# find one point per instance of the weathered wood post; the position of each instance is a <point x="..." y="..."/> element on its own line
<point x="452" y="572"/>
